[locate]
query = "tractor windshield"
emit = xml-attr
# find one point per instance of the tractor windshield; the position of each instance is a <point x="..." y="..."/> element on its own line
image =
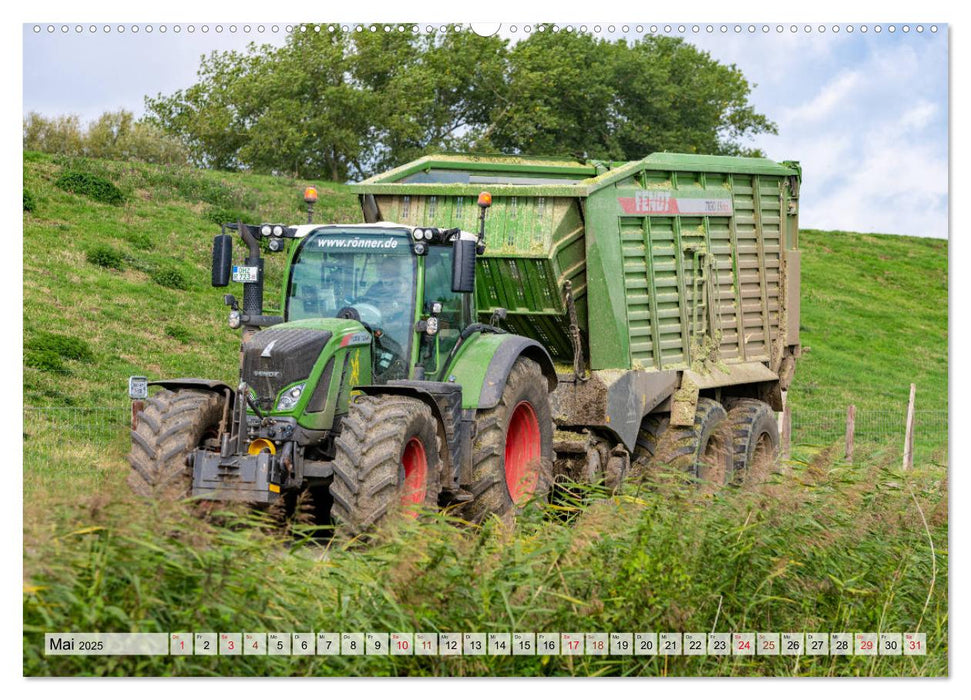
<point x="368" y="277"/>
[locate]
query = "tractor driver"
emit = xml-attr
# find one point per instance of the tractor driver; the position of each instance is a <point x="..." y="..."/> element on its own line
<point x="391" y="291"/>
<point x="391" y="294"/>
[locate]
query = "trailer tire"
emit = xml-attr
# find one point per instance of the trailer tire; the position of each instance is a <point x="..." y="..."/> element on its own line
<point x="755" y="439"/>
<point x="172" y="424"/>
<point x="704" y="449"/>
<point x="512" y="454"/>
<point x="648" y="436"/>
<point x="388" y="461"/>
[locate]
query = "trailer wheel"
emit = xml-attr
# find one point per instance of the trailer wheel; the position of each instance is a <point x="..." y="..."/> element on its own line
<point x="512" y="455"/>
<point x="388" y="461"/>
<point x="755" y="438"/>
<point x="651" y="430"/>
<point x="704" y="449"/>
<point x="172" y="424"/>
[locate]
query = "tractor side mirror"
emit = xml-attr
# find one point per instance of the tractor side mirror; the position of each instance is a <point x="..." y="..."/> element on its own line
<point x="222" y="259"/>
<point x="463" y="265"/>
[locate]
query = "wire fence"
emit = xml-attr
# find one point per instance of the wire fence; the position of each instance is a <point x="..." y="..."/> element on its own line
<point x="54" y="429"/>
<point x="879" y="427"/>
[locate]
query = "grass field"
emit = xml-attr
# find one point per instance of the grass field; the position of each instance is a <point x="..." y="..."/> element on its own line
<point x="828" y="546"/>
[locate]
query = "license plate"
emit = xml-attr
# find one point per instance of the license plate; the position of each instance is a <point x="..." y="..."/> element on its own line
<point x="245" y="274"/>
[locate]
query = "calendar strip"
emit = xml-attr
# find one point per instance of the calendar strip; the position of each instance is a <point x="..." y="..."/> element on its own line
<point x="717" y="644"/>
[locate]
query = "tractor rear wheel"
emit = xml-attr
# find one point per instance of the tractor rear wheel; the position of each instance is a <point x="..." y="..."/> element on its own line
<point x="388" y="462"/>
<point x="512" y="455"/>
<point x="755" y="437"/>
<point x="703" y="449"/>
<point x="172" y="424"/>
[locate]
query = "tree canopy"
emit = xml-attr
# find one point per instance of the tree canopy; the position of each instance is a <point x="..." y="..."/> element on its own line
<point x="336" y="104"/>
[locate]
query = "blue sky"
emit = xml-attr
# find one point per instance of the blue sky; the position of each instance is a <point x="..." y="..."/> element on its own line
<point x="865" y="113"/>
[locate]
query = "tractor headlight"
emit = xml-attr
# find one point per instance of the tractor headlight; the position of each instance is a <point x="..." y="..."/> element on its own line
<point x="431" y="325"/>
<point x="290" y="398"/>
<point x="266" y="230"/>
<point x="234" y="319"/>
<point x="277" y="230"/>
<point x="428" y="234"/>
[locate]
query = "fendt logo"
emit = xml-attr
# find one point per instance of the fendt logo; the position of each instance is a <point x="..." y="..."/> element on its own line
<point x="664" y="203"/>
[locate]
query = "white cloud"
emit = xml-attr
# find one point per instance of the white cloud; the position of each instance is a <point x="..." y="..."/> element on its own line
<point x="871" y="137"/>
<point x="832" y="96"/>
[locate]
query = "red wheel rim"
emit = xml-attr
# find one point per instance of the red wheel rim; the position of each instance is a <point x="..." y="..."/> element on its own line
<point x="522" y="452"/>
<point x="415" y="463"/>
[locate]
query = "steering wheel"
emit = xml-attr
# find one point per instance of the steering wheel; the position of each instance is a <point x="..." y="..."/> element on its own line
<point x="363" y="312"/>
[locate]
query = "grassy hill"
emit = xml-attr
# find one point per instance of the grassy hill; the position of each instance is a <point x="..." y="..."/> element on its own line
<point x="133" y="281"/>
<point x="112" y="290"/>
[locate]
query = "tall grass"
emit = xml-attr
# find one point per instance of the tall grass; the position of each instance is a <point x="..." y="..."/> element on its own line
<point x="824" y="547"/>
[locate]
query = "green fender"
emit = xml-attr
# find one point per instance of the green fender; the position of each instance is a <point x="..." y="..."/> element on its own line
<point x="484" y="361"/>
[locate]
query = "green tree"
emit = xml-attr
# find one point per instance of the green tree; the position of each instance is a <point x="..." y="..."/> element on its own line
<point x="558" y="98"/>
<point x="435" y="94"/>
<point x="340" y="104"/>
<point x="212" y="117"/>
<point x="573" y="93"/>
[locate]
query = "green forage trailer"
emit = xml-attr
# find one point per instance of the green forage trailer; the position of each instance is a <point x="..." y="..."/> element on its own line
<point x="493" y="324"/>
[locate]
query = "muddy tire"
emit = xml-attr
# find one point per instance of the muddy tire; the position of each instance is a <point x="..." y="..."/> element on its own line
<point x="703" y="450"/>
<point x="755" y="439"/>
<point x="172" y="424"/>
<point x="651" y="430"/>
<point x="512" y="454"/>
<point x="388" y="462"/>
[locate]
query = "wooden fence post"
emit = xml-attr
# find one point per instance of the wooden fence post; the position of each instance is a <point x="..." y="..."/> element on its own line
<point x="909" y="434"/>
<point x="850" y="430"/>
<point x="786" y="431"/>
<point x="136" y="407"/>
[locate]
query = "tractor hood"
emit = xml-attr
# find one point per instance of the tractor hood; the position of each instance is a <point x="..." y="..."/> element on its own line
<point x="278" y="357"/>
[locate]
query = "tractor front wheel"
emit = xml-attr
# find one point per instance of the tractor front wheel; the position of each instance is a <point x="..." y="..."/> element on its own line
<point x="172" y="424"/>
<point x="388" y="461"/>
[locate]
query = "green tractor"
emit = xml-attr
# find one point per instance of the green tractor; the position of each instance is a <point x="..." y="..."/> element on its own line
<point x="377" y="390"/>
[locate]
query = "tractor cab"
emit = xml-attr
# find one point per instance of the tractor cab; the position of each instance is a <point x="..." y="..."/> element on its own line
<point x="396" y="281"/>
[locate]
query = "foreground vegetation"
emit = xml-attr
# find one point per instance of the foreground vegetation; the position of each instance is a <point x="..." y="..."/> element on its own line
<point x="825" y="547"/>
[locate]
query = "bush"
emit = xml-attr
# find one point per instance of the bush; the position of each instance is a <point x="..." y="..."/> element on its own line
<point x="113" y="136"/>
<point x="140" y="240"/>
<point x="90" y="185"/>
<point x="105" y="256"/>
<point x="61" y="134"/>
<point x="28" y="200"/>
<point x="223" y="215"/>
<point x="170" y="277"/>
<point x="64" y="346"/>
<point x="180" y="333"/>
<point x="45" y="360"/>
